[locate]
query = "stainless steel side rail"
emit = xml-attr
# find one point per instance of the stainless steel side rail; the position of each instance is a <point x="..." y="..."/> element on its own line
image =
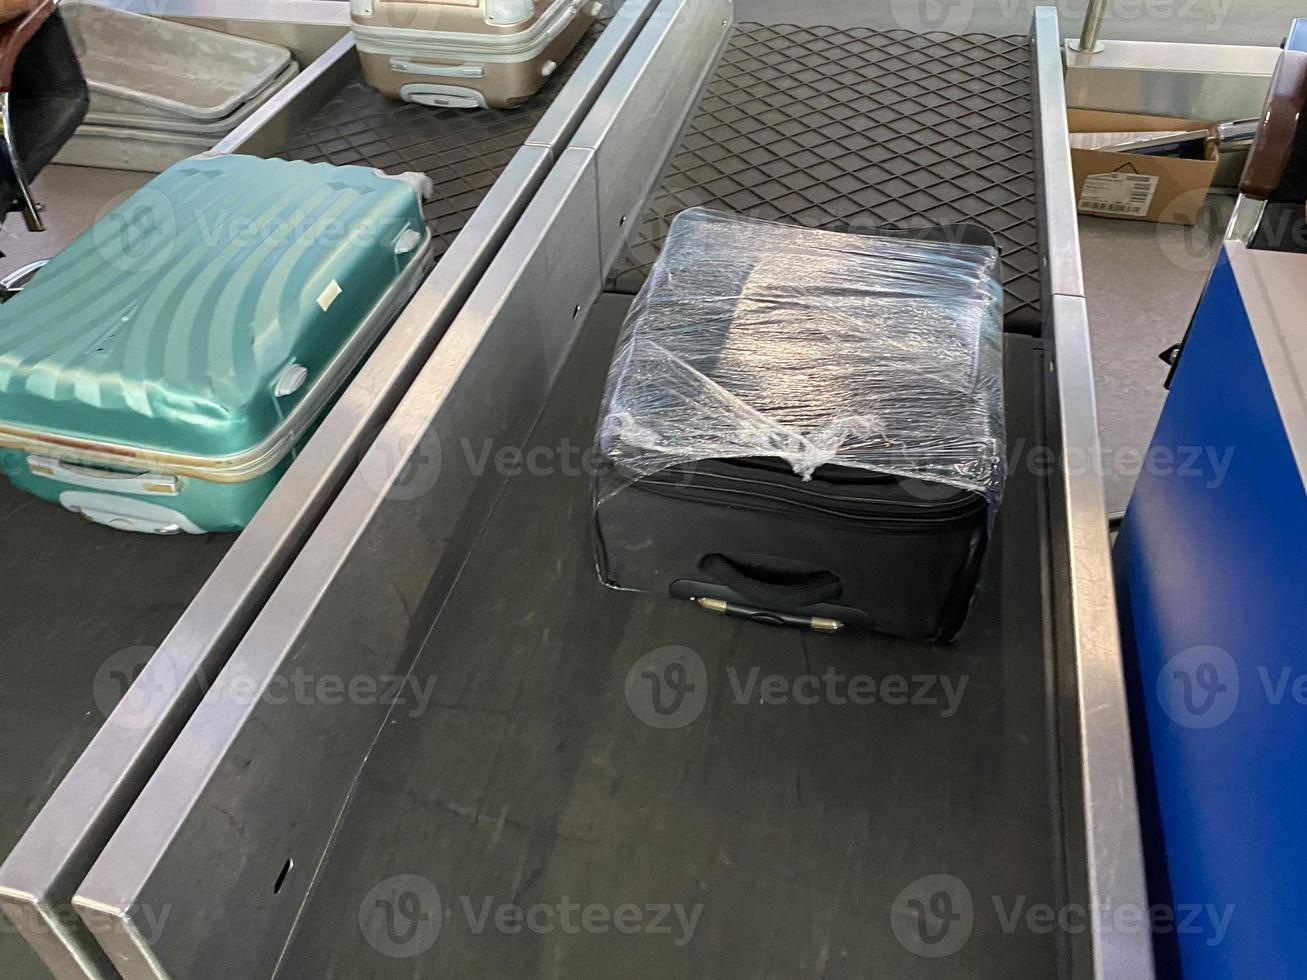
<point x="1103" y="849"/>
<point x="251" y="791"/>
<point x="274" y="122"/>
<point x="38" y="879"/>
<point x="1059" y="232"/>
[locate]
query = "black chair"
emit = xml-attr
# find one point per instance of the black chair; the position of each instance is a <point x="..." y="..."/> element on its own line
<point x="1276" y="171"/>
<point x="43" y="99"/>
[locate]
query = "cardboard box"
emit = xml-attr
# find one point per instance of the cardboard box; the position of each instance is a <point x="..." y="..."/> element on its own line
<point x="1135" y="186"/>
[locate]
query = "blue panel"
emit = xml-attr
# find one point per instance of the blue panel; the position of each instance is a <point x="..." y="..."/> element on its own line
<point x="1212" y="573"/>
<point x="1297" y="40"/>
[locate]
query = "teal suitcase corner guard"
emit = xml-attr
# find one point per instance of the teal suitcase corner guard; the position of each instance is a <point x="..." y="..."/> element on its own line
<point x="159" y="374"/>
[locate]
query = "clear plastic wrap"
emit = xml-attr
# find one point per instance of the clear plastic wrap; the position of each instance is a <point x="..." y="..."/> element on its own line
<point x="758" y="339"/>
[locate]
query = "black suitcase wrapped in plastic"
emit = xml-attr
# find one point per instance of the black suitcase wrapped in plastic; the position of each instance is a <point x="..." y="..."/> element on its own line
<point x="806" y="423"/>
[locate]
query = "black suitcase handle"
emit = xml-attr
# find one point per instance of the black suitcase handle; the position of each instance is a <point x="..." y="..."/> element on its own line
<point x="772" y="585"/>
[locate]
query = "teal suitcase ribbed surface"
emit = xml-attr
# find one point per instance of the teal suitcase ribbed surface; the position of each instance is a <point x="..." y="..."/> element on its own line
<point x="159" y="373"/>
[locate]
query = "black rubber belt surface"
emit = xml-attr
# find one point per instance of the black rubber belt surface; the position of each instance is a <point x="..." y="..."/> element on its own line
<point x="855" y="129"/>
<point x="463" y="151"/>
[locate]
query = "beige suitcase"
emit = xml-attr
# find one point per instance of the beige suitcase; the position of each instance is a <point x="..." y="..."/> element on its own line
<point x="466" y="53"/>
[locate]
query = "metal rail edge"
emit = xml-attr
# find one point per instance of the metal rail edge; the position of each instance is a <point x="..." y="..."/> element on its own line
<point x="1103" y="849"/>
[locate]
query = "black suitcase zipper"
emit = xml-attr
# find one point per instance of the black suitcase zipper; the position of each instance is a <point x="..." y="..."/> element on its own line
<point x="924" y="515"/>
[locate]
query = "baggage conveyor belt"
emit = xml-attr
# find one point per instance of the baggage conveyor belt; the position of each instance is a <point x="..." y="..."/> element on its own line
<point x="531" y="778"/>
<point x="532" y="812"/>
<point x="858" y="129"/>
<point x="463" y="152"/>
<point x="82" y="608"/>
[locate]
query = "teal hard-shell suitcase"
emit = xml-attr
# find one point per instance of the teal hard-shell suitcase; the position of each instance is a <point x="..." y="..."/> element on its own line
<point x="160" y="372"/>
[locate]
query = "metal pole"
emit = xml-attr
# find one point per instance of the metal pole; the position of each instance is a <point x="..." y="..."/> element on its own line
<point x="1088" y="42"/>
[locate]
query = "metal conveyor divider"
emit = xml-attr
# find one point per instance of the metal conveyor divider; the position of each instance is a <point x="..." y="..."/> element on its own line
<point x="397" y="534"/>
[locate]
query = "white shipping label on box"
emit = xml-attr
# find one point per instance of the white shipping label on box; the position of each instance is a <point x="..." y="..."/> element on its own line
<point x="1117" y="194"/>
